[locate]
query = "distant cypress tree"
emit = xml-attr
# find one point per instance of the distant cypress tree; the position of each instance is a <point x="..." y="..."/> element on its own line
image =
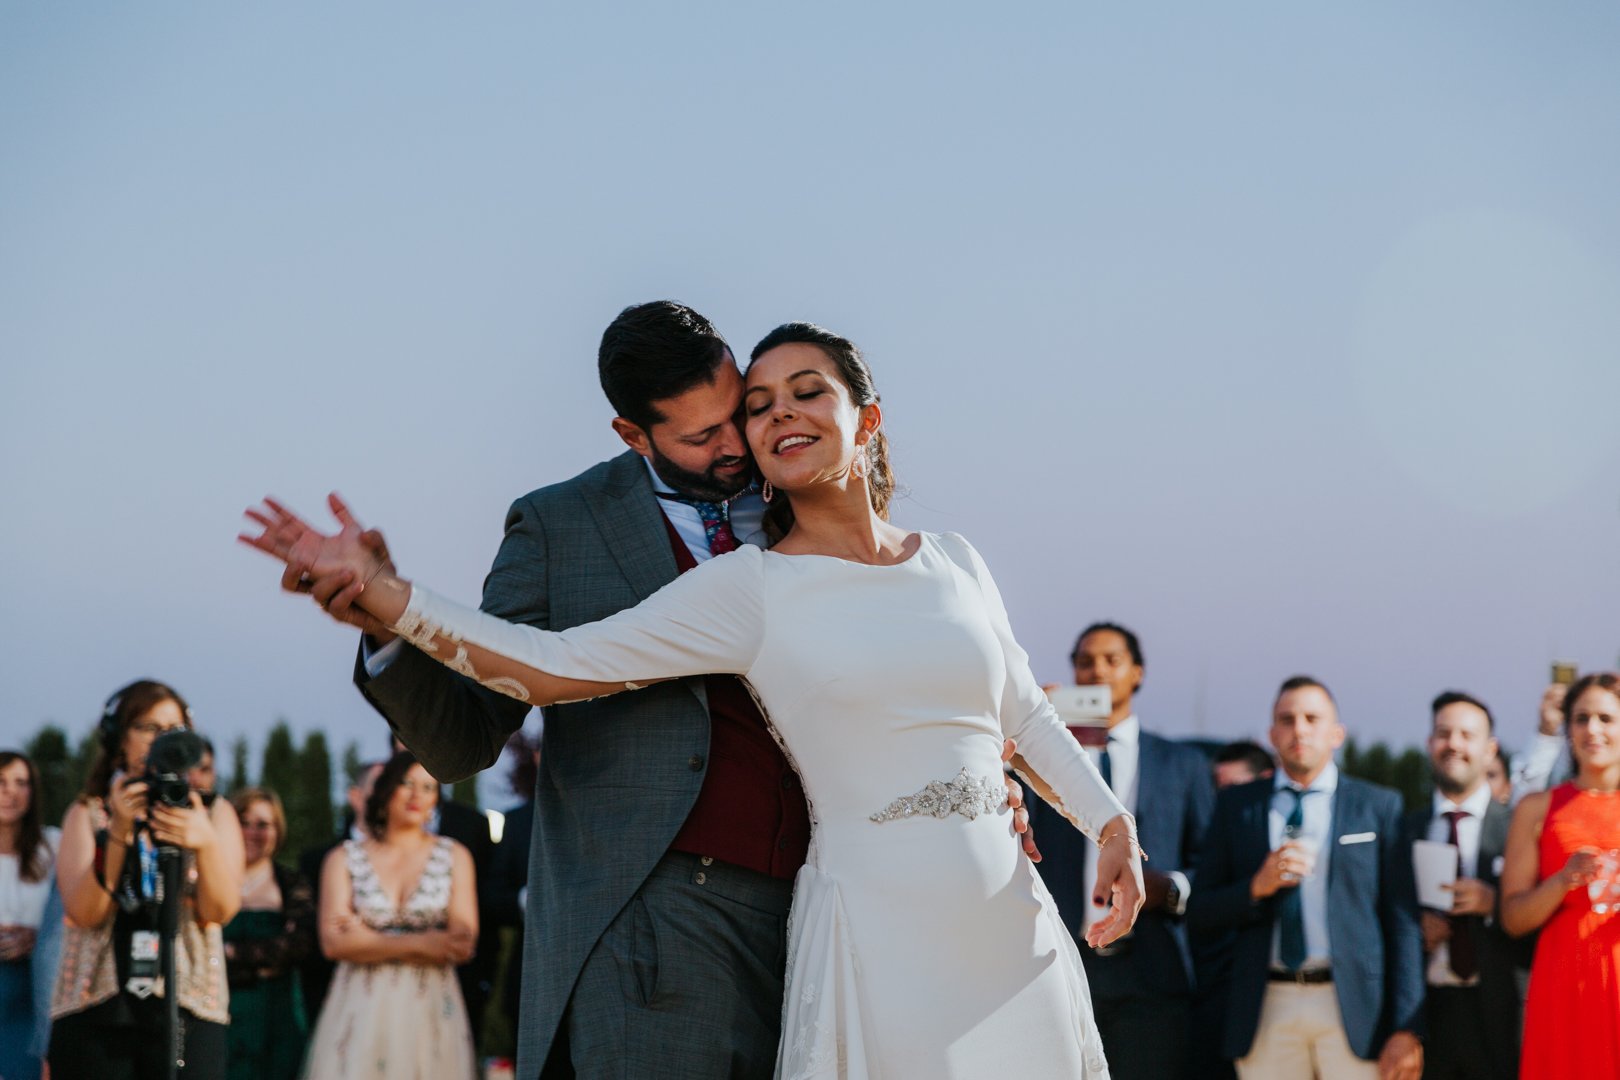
<point x="239" y="765"/>
<point x="315" y="798"/>
<point x="278" y="771"/>
<point x="51" y="756"/>
<point x="1411" y="777"/>
<point x="351" y="762"/>
<point x="83" y="755"/>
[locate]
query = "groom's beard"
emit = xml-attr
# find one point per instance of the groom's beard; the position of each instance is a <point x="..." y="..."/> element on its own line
<point x="710" y="485"/>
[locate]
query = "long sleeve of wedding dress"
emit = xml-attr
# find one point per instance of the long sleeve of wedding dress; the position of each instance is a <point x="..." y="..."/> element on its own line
<point x="1028" y="718"/>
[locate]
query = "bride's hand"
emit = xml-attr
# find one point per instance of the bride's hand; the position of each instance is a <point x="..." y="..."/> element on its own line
<point x="309" y="553"/>
<point x="1119" y="882"/>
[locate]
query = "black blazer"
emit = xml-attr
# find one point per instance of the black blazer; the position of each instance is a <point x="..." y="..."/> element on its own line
<point x="1376" y="941"/>
<point x="1499" y="954"/>
<point x="1175" y="797"/>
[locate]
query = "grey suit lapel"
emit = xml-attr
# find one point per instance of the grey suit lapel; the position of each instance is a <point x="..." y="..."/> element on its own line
<point x="632" y="526"/>
<point x="633" y="529"/>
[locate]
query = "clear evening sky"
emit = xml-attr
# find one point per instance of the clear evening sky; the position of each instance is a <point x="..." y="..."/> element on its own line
<point x="1288" y="336"/>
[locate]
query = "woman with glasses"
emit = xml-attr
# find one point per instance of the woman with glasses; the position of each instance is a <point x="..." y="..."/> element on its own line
<point x="109" y="1016"/>
<point x="272" y="934"/>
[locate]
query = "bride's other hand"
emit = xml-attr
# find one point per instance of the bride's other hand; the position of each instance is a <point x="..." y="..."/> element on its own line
<point x="1119" y="882"/>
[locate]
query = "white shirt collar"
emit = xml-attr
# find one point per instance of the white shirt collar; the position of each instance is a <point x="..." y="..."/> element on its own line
<point x="1128" y="731"/>
<point x="1476" y="804"/>
<point x="658" y="484"/>
<point x="1327" y="780"/>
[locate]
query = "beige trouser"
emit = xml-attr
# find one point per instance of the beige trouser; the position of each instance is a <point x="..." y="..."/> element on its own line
<point x="1301" y="1036"/>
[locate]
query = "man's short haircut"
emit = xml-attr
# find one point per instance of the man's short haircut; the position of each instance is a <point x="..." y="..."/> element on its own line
<point x="1301" y="682"/>
<point x="655" y="351"/>
<point x="1459" y="697"/>
<point x="1131" y="644"/>
<point x="1249" y="753"/>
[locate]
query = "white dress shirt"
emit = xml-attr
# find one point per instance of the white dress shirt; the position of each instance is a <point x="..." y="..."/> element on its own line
<point x="1468" y="830"/>
<point x="1314" y="833"/>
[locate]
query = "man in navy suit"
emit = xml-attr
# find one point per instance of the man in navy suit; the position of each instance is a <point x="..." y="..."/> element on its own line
<point x="1310" y="872"/>
<point x="1141" y="986"/>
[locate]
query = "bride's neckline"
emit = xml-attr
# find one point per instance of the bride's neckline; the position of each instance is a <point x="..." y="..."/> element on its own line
<point x="921" y="539"/>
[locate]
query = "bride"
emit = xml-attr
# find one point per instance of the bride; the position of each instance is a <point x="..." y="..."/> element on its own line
<point x="921" y="942"/>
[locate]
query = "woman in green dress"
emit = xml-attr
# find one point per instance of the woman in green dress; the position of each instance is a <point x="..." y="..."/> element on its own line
<point x="264" y="944"/>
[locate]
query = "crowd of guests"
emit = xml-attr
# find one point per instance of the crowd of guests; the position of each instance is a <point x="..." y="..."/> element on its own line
<point x="1282" y="935"/>
<point x="364" y="959"/>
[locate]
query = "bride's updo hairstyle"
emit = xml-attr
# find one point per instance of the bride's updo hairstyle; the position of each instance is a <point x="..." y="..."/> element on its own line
<point x="857" y="377"/>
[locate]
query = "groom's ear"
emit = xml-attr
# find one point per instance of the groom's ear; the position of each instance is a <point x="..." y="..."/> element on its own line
<point x="633" y="435"/>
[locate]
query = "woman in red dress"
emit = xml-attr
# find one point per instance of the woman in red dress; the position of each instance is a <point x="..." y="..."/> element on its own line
<point x="1561" y="850"/>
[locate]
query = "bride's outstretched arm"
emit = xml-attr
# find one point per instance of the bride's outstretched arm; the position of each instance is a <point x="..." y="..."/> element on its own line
<point x="700" y="623"/>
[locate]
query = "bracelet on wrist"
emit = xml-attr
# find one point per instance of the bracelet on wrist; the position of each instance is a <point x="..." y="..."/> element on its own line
<point x="1128" y="838"/>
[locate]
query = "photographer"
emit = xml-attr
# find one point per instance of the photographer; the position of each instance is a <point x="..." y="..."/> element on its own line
<point x="109" y="1020"/>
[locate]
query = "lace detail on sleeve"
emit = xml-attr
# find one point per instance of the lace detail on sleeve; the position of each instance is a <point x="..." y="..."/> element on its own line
<point x="415" y="628"/>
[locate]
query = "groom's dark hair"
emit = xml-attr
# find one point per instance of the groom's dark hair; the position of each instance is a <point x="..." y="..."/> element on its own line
<point x="655" y="351"/>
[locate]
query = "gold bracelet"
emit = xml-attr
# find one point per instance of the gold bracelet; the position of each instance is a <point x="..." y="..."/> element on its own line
<point x="380" y="564"/>
<point x="1129" y="838"/>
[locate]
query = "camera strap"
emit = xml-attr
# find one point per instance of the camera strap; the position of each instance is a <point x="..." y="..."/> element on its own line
<point x="144" y="974"/>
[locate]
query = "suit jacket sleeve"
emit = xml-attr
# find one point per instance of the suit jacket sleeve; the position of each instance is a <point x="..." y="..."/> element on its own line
<point x="1200" y="810"/>
<point x="454" y="726"/>
<point x="1222" y="900"/>
<point x="1403" y="930"/>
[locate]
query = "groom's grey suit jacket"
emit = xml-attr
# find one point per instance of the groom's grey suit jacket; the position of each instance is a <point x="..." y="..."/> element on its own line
<point x="618" y="775"/>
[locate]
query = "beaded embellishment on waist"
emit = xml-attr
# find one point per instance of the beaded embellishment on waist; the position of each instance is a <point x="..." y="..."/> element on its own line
<point x="963" y="794"/>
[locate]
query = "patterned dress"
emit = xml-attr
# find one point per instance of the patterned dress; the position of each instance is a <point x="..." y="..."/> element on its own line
<point x="396" y="1020"/>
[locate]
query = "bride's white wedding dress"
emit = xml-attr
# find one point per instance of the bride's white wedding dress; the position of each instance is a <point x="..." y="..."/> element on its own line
<point x="922" y="942"/>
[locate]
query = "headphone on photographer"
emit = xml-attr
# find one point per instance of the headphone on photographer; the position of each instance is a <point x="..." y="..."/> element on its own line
<point x="109" y="730"/>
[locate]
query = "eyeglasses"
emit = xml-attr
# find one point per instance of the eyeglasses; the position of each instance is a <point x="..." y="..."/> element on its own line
<point x="152" y="730"/>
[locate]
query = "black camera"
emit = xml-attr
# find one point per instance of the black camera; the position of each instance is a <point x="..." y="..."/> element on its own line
<point x="172" y="757"/>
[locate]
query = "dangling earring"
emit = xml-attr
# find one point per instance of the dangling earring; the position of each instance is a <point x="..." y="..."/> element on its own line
<point x="858" y="467"/>
<point x="766" y="492"/>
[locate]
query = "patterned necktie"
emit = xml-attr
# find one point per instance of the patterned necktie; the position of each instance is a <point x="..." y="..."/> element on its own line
<point x="1291" y="904"/>
<point x="716" y="521"/>
<point x="1461" y="947"/>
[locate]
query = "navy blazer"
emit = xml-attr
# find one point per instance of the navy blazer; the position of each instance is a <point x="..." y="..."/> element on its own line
<point x="1175" y="797"/>
<point x="1376" y="940"/>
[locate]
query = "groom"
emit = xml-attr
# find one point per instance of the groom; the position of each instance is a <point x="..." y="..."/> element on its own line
<point x="668" y="825"/>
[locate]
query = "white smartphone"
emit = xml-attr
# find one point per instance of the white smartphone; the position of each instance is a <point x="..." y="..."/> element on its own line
<point x="1082" y="706"/>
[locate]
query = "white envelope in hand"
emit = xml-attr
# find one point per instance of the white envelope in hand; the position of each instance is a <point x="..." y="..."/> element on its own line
<point x="1434" y="865"/>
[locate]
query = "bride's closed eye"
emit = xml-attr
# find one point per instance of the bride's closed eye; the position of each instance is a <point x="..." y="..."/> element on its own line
<point x="764" y="407"/>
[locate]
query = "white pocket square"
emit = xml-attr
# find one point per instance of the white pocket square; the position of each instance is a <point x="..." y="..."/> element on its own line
<point x="1358" y="838"/>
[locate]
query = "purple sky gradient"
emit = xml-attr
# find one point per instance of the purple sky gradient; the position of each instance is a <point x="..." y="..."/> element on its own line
<point x="1290" y="338"/>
